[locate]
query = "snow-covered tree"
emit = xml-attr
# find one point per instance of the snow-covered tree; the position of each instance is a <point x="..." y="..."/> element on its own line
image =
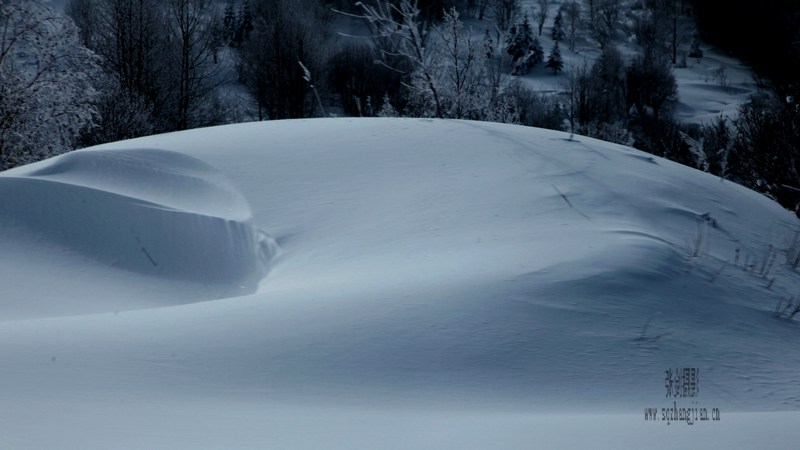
<point x="403" y="39"/>
<point x="461" y="77"/>
<point x="387" y="109"/>
<point x="523" y="47"/>
<point x="45" y="82"/>
<point x="449" y="72"/>
<point x="555" y="62"/>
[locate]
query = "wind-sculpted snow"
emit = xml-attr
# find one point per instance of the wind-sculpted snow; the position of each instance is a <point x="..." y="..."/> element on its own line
<point x="426" y="267"/>
<point x="153" y="212"/>
<point x="167" y="178"/>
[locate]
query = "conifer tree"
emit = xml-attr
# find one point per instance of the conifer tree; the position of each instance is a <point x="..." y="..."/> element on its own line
<point x="554" y="61"/>
<point x="523" y="47"/>
<point x="245" y="22"/>
<point x="387" y="109"/>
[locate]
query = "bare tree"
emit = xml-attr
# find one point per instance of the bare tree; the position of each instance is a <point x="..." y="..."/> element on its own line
<point x="284" y="33"/>
<point x="592" y="10"/>
<point x="119" y="114"/>
<point x="493" y="51"/>
<point x="678" y="26"/>
<point x="196" y="76"/>
<point x="462" y="77"/>
<point x="576" y="87"/>
<point x="661" y="29"/>
<point x="572" y="13"/>
<point x="651" y="86"/>
<point x="476" y="8"/>
<point x="603" y="16"/>
<point x="160" y="54"/>
<point x="505" y="12"/>
<point x="129" y="39"/>
<point x="399" y="26"/>
<point x="543" y="5"/>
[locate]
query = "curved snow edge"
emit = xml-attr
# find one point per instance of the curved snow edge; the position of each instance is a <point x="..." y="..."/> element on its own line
<point x="228" y="255"/>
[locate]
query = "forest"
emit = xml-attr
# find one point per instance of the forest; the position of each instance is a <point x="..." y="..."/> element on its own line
<point x="107" y="70"/>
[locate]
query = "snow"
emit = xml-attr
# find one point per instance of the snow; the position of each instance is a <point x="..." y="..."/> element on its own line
<point x="387" y="283"/>
<point x="151" y="212"/>
<point x="702" y="97"/>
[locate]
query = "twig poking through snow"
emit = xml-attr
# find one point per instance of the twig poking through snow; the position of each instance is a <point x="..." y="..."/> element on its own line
<point x="144" y="250"/>
<point x="562" y="196"/>
<point x="307" y="78"/>
<point x="569" y="203"/>
<point x="701" y="238"/>
<point x="643" y="335"/>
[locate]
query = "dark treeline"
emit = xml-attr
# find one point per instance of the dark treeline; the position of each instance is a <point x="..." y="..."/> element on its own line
<point x="759" y="148"/>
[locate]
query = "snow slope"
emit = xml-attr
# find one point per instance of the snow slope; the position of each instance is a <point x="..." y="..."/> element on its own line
<point x="423" y="284"/>
<point x="150" y="212"/>
<point x="710" y="87"/>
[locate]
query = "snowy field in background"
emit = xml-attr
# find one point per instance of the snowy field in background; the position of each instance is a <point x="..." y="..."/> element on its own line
<point x="709" y="87"/>
<point x="388" y="283"/>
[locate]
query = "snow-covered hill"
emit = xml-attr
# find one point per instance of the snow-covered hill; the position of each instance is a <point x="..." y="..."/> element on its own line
<point x="388" y="283"/>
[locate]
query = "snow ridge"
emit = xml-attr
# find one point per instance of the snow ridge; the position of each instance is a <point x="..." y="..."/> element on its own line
<point x="154" y="212"/>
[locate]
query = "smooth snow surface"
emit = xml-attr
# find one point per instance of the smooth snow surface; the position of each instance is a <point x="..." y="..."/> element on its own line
<point x="430" y="284"/>
<point x="150" y="212"/>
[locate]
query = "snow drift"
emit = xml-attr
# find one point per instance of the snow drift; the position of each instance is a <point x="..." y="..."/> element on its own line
<point x="154" y="212"/>
<point x="426" y="267"/>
